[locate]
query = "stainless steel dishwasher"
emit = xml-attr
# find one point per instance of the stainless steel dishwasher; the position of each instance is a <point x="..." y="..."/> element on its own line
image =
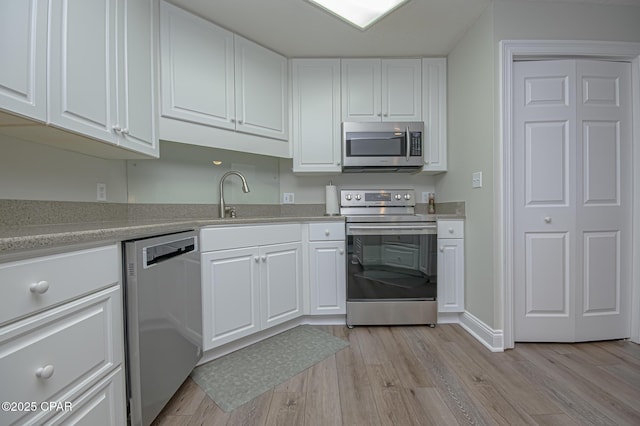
<point x="163" y="305"/>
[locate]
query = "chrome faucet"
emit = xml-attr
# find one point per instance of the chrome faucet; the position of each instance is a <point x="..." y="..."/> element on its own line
<point x="245" y="188"/>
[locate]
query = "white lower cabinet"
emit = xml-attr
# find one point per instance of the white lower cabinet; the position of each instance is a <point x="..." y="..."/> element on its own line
<point x="327" y="269"/>
<point x="450" y="266"/>
<point x="61" y="354"/>
<point x="251" y="288"/>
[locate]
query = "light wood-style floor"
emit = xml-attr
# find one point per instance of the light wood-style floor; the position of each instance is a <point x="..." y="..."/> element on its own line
<point x="439" y="376"/>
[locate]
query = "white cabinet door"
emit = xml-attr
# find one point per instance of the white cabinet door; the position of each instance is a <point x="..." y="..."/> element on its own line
<point x="316" y="115"/>
<point x="280" y="283"/>
<point x="136" y="85"/>
<point x="261" y="90"/>
<point x="361" y="90"/>
<point x="230" y="294"/>
<point x="450" y="275"/>
<point x="434" y="112"/>
<point x="23" y="43"/>
<point x="381" y="90"/>
<point x="197" y="72"/>
<point x="82" y="58"/>
<point x="401" y="90"/>
<point x="327" y="278"/>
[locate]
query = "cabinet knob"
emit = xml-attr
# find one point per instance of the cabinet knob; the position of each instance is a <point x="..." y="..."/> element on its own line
<point x="264" y="258"/>
<point x="117" y="128"/>
<point x="379" y="114"/>
<point x="341" y="251"/>
<point x="233" y="120"/>
<point x="125" y="131"/>
<point x="257" y="259"/>
<point x="326" y="232"/>
<point x="240" y="121"/>
<point x="40" y="287"/>
<point x="451" y="230"/>
<point x="547" y="219"/>
<point x="386" y="115"/>
<point x="442" y="248"/>
<point x="44" y="372"/>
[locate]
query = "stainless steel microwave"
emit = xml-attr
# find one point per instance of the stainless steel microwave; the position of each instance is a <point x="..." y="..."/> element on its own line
<point x="382" y="146"/>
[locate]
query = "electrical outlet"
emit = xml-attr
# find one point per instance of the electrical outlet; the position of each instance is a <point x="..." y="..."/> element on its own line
<point x="476" y="180"/>
<point x="425" y="197"/>
<point x="288" y="198"/>
<point x="102" y="192"/>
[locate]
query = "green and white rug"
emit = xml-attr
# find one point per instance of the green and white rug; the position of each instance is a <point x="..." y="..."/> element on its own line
<point x="239" y="377"/>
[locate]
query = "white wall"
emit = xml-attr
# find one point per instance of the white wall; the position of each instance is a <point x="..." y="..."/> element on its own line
<point x="470" y="98"/>
<point x="186" y="174"/>
<point x="30" y="171"/>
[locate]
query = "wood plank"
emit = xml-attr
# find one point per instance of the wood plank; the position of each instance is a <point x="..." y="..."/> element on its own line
<point x="374" y="381"/>
<point x="322" y="402"/>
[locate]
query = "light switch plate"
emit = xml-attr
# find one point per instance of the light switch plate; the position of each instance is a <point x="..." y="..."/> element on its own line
<point x="476" y="180"/>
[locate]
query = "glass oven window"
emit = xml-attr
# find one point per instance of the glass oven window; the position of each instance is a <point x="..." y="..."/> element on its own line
<point x="386" y="267"/>
<point x="376" y="145"/>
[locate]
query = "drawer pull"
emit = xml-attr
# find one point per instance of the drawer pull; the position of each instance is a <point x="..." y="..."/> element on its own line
<point x="40" y="287"/>
<point x="257" y="259"/>
<point x="326" y="232"/>
<point x="45" y="372"/>
<point x="451" y="230"/>
<point x="442" y="249"/>
<point x="341" y="251"/>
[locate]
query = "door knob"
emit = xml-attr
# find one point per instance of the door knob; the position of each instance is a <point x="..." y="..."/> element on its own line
<point x="547" y="219"/>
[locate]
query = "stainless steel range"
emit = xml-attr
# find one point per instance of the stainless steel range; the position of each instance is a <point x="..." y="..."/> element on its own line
<point x="392" y="259"/>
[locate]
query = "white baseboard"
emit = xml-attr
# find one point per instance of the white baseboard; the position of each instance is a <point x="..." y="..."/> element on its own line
<point x="490" y="338"/>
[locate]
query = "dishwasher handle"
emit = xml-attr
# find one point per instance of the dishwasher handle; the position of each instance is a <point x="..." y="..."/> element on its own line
<point x="164" y="251"/>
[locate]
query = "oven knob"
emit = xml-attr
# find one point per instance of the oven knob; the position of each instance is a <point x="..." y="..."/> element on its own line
<point x="397" y="196"/>
<point x="358" y="197"/>
<point x="407" y="196"/>
<point x="348" y="197"/>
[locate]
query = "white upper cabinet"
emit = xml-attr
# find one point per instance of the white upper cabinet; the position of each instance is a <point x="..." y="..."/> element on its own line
<point x="211" y="77"/>
<point x="136" y="83"/>
<point x="434" y="85"/>
<point x="381" y="90"/>
<point x="90" y="73"/>
<point x="316" y="115"/>
<point x="23" y="44"/>
<point x="197" y="75"/>
<point x="261" y="90"/>
<point x="82" y="67"/>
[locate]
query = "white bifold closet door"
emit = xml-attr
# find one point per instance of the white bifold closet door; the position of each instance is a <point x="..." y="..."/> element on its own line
<point x="572" y="200"/>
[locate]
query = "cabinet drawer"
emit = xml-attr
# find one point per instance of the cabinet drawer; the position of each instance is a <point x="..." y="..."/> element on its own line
<point x="48" y="356"/>
<point x="450" y="229"/>
<point x="231" y="237"/>
<point x="326" y="231"/>
<point x="55" y="279"/>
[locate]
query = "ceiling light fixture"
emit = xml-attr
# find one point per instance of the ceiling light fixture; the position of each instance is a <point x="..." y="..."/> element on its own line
<point x="360" y="13"/>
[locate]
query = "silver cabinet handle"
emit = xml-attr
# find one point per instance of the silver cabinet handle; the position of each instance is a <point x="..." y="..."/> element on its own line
<point x="40" y="287"/>
<point x="264" y="258"/>
<point x="117" y="128"/>
<point x="257" y="259"/>
<point x="442" y="248"/>
<point x="547" y="219"/>
<point x="233" y="120"/>
<point x="125" y="131"/>
<point x="45" y="372"/>
<point x="341" y="251"/>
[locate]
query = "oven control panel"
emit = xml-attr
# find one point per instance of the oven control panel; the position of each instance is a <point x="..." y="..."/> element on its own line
<point x="384" y="198"/>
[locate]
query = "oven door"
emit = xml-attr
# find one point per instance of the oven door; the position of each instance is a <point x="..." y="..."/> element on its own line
<point x="391" y="261"/>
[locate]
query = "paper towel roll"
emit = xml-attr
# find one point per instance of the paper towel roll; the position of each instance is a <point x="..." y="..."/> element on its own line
<point x="331" y="200"/>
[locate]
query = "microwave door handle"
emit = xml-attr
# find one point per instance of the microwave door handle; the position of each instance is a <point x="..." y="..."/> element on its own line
<point x="408" y="143"/>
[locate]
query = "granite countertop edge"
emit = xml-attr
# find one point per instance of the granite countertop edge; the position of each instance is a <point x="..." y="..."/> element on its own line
<point x="17" y="240"/>
<point x="20" y="240"/>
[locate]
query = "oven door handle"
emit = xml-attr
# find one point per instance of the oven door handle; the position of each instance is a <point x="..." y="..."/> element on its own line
<point x="396" y="229"/>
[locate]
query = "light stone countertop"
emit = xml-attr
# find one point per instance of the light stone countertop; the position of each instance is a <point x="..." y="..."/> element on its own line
<point x="16" y="241"/>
